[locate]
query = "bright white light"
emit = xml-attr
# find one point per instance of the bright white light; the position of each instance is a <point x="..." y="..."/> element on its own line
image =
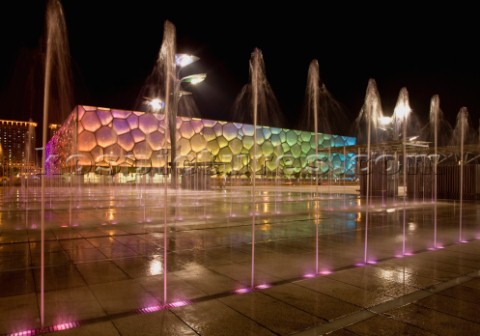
<point x="194" y="79"/>
<point x="402" y="110"/>
<point x="384" y="121"/>
<point x="182" y="60"/>
<point x="156" y="104"/>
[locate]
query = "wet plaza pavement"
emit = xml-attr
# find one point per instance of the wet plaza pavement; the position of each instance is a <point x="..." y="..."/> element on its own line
<point x="289" y="261"/>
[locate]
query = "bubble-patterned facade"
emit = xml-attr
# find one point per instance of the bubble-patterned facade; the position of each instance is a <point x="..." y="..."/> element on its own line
<point x="93" y="138"/>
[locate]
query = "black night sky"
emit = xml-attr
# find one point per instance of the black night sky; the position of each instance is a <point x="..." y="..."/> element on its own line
<point x="114" y="45"/>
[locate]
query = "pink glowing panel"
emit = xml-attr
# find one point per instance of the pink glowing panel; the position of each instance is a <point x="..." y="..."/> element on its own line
<point x="105" y="117"/>
<point x="133" y="121"/>
<point x="325" y="272"/>
<point x="90" y="121"/>
<point x="120" y="126"/>
<point x="147" y="123"/>
<point x="142" y="151"/>
<point x="309" y="275"/>
<point x="179" y="303"/>
<point x="242" y="290"/>
<point x="263" y="286"/>
<point x="149" y="309"/>
<point x="120" y="114"/>
<point x="64" y="326"/>
<point x="372" y="262"/>
<point x="360" y="264"/>
<point x="137" y="135"/>
<point x="86" y="141"/>
<point x="126" y="141"/>
<point x="106" y="136"/>
<point x="156" y="140"/>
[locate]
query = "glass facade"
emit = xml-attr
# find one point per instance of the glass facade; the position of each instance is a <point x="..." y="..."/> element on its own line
<point x="99" y="139"/>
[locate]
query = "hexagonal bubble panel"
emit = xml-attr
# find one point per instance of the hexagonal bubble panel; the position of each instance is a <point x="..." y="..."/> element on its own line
<point x="209" y="133"/>
<point x="156" y="140"/>
<point x="267" y="132"/>
<point x="184" y="147"/>
<point x="106" y="136"/>
<point x="260" y="138"/>
<point x="97" y="153"/>
<point x="209" y="122"/>
<point x="105" y="117"/>
<point x="86" y="141"/>
<point x="350" y="141"/>
<point x="296" y="150"/>
<point x="80" y="112"/>
<point x="267" y="148"/>
<point x="225" y="154"/>
<point x="197" y="125"/>
<point x="283" y="135"/>
<point x="147" y="123"/>
<point x="338" y="141"/>
<point x="222" y="142"/>
<point x="142" y="151"/>
<point x="275" y="140"/>
<point x="305" y="147"/>
<point x="291" y="138"/>
<point x="137" y="135"/>
<point x="120" y="114"/>
<point x="230" y="132"/>
<point x="90" y="121"/>
<point x="236" y="146"/>
<point x="158" y="159"/>
<point x="247" y="129"/>
<point x="285" y="147"/>
<point x="306" y="136"/>
<point x="114" y="154"/>
<point x="186" y="130"/>
<point x="205" y="156"/>
<point x="198" y="143"/>
<point x="133" y="121"/>
<point x="126" y="141"/>
<point x="79" y="128"/>
<point x="247" y="142"/>
<point x="120" y="126"/>
<point x="213" y="147"/>
<point x="218" y="128"/>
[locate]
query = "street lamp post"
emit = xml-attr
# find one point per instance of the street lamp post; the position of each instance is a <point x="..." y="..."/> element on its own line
<point x="156" y="104"/>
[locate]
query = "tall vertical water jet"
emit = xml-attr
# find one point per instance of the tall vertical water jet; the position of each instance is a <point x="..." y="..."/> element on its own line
<point x="461" y="134"/>
<point x="58" y="92"/>
<point x="256" y="62"/>
<point x="322" y="113"/>
<point x="401" y="114"/>
<point x="434" y="121"/>
<point x="268" y="109"/>
<point x="370" y="115"/>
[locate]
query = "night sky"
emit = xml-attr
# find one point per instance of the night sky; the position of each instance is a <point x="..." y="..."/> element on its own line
<point x="114" y="46"/>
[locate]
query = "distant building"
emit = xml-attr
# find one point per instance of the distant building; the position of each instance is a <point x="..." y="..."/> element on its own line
<point x="17" y="147"/>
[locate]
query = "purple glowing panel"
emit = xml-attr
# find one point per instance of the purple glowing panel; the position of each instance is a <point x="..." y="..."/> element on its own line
<point x="242" y="290"/>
